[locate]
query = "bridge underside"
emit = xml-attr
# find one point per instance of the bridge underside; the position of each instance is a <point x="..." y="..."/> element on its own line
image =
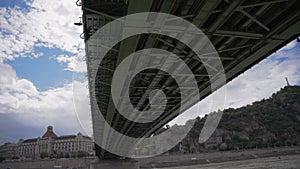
<point x="243" y="32"/>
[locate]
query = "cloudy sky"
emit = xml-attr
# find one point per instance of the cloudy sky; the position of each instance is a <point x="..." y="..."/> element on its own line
<point x="40" y="48"/>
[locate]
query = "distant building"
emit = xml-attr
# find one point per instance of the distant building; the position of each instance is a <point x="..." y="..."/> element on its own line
<point x="8" y="150"/>
<point x="52" y="144"/>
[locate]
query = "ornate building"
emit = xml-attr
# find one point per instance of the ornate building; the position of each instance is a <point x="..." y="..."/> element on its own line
<point x="50" y="143"/>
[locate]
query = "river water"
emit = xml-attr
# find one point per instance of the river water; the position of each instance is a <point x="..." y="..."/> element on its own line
<point x="285" y="162"/>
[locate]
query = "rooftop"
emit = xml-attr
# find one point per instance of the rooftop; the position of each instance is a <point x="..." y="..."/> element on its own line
<point x="50" y="134"/>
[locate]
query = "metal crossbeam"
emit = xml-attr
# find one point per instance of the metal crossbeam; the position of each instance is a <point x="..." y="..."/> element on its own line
<point x="253" y="19"/>
<point x="100" y="13"/>
<point x="262" y="3"/>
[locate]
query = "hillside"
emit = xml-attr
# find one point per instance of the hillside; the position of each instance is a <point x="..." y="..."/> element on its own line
<point x="270" y="122"/>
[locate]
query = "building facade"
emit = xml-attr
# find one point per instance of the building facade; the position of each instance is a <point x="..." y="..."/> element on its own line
<point x="51" y="144"/>
<point x="8" y="150"/>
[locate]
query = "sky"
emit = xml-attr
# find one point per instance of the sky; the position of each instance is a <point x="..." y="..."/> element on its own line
<point x="41" y="52"/>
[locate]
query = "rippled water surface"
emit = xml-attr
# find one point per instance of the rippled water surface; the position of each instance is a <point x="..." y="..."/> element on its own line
<point x="285" y="162"/>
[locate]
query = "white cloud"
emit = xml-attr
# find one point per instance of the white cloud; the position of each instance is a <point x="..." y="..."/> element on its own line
<point x="45" y="24"/>
<point x="262" y="80"/>
<point x="74" y="63"/>
<point x="51" y="107"/>
<point x="289" y="46"/>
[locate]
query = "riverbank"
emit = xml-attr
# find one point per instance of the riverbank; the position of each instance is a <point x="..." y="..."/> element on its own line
<point x="285" y="162"/>
<point x="215" y="157"/>
<point x="80" y="163"/>
<point x="165" y="161"/>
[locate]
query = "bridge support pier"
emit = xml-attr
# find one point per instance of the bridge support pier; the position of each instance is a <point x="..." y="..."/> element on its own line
<point x="115" y="164"/>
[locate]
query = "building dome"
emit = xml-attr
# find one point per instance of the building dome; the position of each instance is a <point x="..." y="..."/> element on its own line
<point x="49" y="132"/>
<point x="50" y="128"/>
